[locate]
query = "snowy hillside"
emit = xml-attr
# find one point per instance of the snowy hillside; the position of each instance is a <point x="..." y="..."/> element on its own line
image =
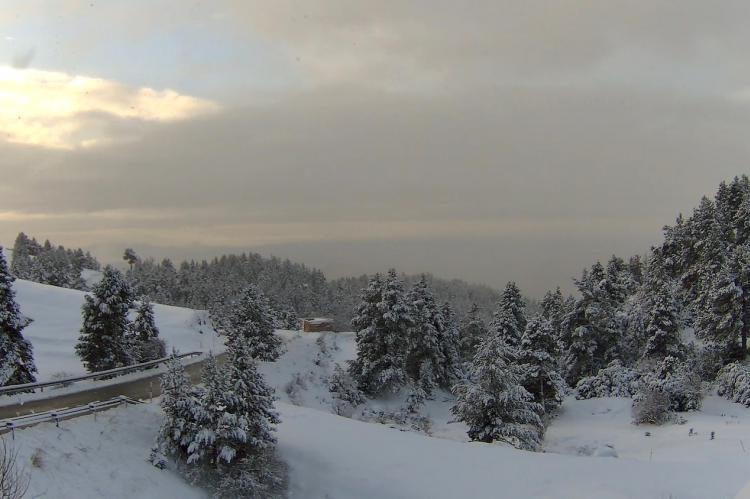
<point x="334" y="457"/>
<point x="56" y="314"/>
<point x="591" y="448"/>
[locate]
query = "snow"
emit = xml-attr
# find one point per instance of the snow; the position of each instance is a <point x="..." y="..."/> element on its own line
<point x="86" y="458"/>
<point x="57" y="321"/>
<point x="591" y="449"/>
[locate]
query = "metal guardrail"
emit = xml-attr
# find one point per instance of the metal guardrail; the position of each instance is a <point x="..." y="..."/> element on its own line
<point x="57" y="415"/>
<point x="10" y="389"/>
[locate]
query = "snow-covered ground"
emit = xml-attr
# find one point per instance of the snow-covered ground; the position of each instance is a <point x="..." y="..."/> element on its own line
<point x="56" y="314"/>
<point x="591" y="449"/>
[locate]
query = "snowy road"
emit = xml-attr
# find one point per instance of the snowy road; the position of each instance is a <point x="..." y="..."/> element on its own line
<point x="141" y="388"/>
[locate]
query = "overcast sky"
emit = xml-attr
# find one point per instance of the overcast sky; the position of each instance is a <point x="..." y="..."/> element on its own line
<point x="485" y="140"/>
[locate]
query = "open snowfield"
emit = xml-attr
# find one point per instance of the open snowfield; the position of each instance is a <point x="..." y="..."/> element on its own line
<point x="333" y="457"/>
<point x="56" y="313"/>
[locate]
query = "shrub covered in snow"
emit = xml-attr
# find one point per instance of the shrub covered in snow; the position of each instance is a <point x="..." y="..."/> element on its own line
<point x="679" y="382"/>
<point x="346" y="395"/>
<point x="671" y="387"/>
<point x="733" y="383"/>
<point x="615" y="380"/>
<point x="651" y="406"/>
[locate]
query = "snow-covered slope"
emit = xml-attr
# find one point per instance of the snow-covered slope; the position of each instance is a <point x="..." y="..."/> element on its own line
<point x="334" y="457"/>
<point x="56" y="314"/>
<point x="591" y="449"/>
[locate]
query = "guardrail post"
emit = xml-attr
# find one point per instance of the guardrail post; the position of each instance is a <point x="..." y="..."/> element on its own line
<point x="10" y="425"/>
<point x="56" y="418"/>
<point x="150" y="391"/>
<point x="92" y="409"/>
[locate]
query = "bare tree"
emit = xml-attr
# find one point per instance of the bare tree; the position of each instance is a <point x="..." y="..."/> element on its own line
<point x="14" y="480"/>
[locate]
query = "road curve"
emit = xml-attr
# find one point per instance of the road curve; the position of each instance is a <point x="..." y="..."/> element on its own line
<point x="139" y="389"/>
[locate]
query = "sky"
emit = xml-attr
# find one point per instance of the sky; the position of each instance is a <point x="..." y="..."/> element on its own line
<point x="484" y="140"/>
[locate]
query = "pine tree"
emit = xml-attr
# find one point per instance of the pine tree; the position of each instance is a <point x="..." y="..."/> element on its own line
<point x="450" y="344"/>
<point x="252" y="402"/>
<point x="180" y="404"/>
<point x="473" y="330"/>
<point x="592" y="332"/>
<point x="492" y="402"/>
<point x="252" y="319"/>
<point x="537" y="361"/>
<point x="102" y="344"/>
<point x="145" y="335"/>
<point x="382" y="322"/>
<point x="424" y="360"/>
<point x="509" y="320"/>
<point x="554" y="310"/>
<point x="22" y="262"/>
<point x="232" y="444"/>
<point x="16" y="355"/>
<point x="724" y="317"/>
<point x="662" y="323"/>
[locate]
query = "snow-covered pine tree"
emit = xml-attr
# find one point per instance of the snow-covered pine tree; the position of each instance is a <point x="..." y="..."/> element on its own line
<point x="591" y="329"/>
<point x="145" y="335"/>
<point x="662" y="321"/>
<point x="232" y="447"/>
<point x="616" y="284"/>
<point x="450" y="344"/>
<point x="252" y="319"/>
<point x="21" y="263"/>
<point x="180" y="404"/>
<point x="423" y="360"/>
<point x="102" y="343"/>
<point x="16" y="355"/>
<point x="492" y="402"/>
<point x="382" y="322"/>
<point x="370" y="337"/>
<point x="250" y="471"/>
<point x="724" y="316"/>
<point x="742" y="222"/>
<point x="509" y="320"/>
<point x="473" y="329"/>
<point x="538" y="363"/>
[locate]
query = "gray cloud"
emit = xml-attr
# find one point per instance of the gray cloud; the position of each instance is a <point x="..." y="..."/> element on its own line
<point x="490" y="141"/>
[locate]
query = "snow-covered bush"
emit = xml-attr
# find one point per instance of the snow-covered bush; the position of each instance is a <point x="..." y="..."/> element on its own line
<point x="651" y="406"/>
<point x="295" y="387"/>
<point x="679" y="382"/>
<point x="733" y="383"/>
<point x="706" y="361"/>
<point x="346" y="395"/>
<point x="615" y="380"/>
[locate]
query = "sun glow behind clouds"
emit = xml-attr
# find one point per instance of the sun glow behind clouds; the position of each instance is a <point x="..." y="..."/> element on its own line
<point x="54" y="109"/>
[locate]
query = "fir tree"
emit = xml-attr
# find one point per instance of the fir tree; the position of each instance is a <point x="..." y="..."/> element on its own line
<point x="591" y="329"/>
<point x="16" y="355"/>
<point x="145" y="335"/>
<point x="450" y="344"/>
<point x="509" y="320"/>
<point x="21" y="265"/>
<point x="180" y="404"/>
<point x="232" y="446"/>
<point x="102" y="344"/>
<point x="492" y="402"/>
<point x="253" y="320"/>
<point x="662" y="323"/>
<point x="382" y="323"/>
<point x="724" y="317"/>
<point x="537" y="361"/>
<point x="424" y="360"/>
<point x="473" y="330"/>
